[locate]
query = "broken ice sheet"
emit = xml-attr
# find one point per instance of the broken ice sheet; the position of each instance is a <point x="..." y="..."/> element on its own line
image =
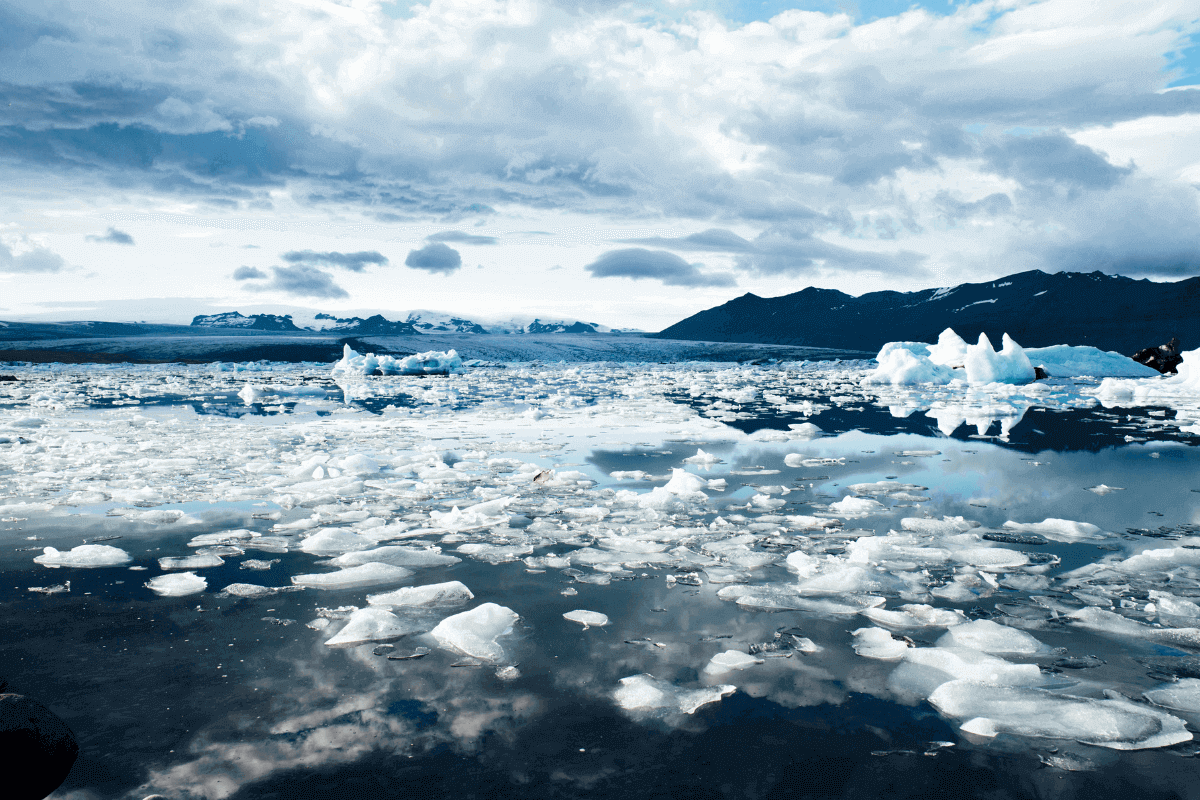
<point x="648" y="695"/>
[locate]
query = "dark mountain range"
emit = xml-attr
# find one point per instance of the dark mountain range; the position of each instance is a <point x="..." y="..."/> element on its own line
<point x="257" y="322"/>
<point x="376" y="325"/>
<point x="1035" y="308"/>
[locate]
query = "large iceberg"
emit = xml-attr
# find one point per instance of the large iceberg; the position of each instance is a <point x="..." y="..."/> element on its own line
<point x="431" y="363"/>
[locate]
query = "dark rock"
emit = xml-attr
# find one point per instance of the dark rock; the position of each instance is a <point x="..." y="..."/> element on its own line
<point x="1039" y="374"/>
<point x="7" y="378"/>
<point x="1164" y="358"/>
<point x="37" y="748"/>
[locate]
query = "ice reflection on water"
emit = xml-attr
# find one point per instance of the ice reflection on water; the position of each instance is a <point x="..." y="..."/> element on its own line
<point x="213" y="695"/>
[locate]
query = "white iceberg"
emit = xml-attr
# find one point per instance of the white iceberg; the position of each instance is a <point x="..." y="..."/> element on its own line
<point x="371" y="574"/>
<point x="450" y="593"/>
<point x="645" y="693"/>
<point x="177" y="584"/>
<point x="371" y="625"/>
<point x="588" y="619"/>
<point x="430" y="363"/>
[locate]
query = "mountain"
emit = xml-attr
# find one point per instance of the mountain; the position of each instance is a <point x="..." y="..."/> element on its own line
<point x="435" y="322"/>
<point x="375" y="325"/>
<point x="258" y="322"/>
<point x="1037" y="309"/>
<point x="438" y="322"/>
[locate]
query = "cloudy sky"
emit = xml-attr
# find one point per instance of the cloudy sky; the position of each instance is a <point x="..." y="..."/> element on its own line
<point x="622" y="163"/>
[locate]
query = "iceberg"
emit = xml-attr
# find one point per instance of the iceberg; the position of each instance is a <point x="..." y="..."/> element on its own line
<point x="645" y="693"/>
<point x="370" y="574"/>
<point x="177" y="584"/>
<point x="474" y="632"/>
<point x="985" y="365"/>
<point x="371" y="625"/>
<point x="430" y="363"/>
<point x="85" y="555"/>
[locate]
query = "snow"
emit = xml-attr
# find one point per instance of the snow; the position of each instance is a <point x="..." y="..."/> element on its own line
<point x="474" y="633"/>
<point x="85" y="555"/>
<point x="178" y="584"/>
<point x="432" y="362"/>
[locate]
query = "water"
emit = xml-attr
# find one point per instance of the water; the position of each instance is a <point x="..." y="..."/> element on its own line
<point x="211" y="695"/>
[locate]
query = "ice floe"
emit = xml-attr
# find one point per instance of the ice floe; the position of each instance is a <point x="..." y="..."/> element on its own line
<point x="474" y="633"/>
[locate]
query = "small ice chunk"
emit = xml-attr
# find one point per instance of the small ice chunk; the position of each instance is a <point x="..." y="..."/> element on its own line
<point x="85" y="555"/>
<point x="190" y="562"/>
<point x="926" y="668"/>
<point x="371" y="574"/>
<point x="450" y="593"/>
<point x="915" y="616"/>
<point x="177" y="584"/>
<point x="645" y="693"/>
<point x="879" y="644"/>
<point x="852" y="507"/>
<point x="474" y="632"/>
<point x="987" y="636"/>
<point x="588" y="619"/>
<point x="252" y="590"/>
<point x="729" y="661"/>
<point x="702" y="458"/>
<point x="371" y="625"/>
<point x="1060" y="530"/>
<point x="400" y="556"/>
<point x="1102" y="489"/>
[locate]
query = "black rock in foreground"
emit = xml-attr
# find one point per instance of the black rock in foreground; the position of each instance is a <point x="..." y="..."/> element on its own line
<point x="1036" y="309"/>
<point x="37" y="748"/>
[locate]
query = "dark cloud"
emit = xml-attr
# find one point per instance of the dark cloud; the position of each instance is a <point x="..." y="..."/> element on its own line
<point x="38" y="259"/>
<point x="301" y="281"/>
<point x="435" y="257"/>
<point x="659" y="265"/>
<point x="19" y="30"/>
<point x="1053" y="158"/>
<point x="355" y="262"/>
<point x="248" y="273"/>
<point x="713" y="240"/>
<point x="113" y="236"/>
<point x="460" y="237"/>
<point x="991" y="206"/>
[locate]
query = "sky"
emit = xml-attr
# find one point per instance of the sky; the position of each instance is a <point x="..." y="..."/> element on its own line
<point x="622" y="163"/>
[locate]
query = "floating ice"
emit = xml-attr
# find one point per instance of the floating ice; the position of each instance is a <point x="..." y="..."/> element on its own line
<point x="1065" y="361"/>
<point x="684" y="487"/>
<point x="990" y="637"/>
<point x="1109" y="622"/>
<point x="588" y="619"/>
<point x="371" y="574"/>
<point x="85" y="555"/>
<point x="950" y="350"/>
<point x="900" y="366"/>
<point x="335" y="541"/>
<point x="1183" y="695"/>
<point x="430" y="363"/>
<point x="645" y="693"/>
<point x="1060" y="530"/>
<point x="915" y="615"/>
<point x="474" y="632"/>
<point x="177" y="584"/>
<point x="924" y="669"/>
<point x="853" y="507"/>
<point x="191" y="562"/>
<point x="879" y="644"/>
<point x="728" y="661"/>
<point x="400" y="556"/>
<point x="702" y="459"/>
<point x="1117" y="724"/>
<point x="371" y="625"/>
<point x="450" y="593"/>
<point x="1184" y="386"/>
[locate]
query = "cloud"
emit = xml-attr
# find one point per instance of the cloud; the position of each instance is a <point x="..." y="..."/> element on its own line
<point x="713" y="240"/>
<point x="355" y="262"/>
<point x="113" y="236"/>
<point x="301" y="281"/>
<point x="1055" y="159"/>
<point x="435" y="257"/>
<point x="659" y="265"/>
<point x="248" y="273"/>
<point x="30" y="258"/>
<point x="459" y="236"/>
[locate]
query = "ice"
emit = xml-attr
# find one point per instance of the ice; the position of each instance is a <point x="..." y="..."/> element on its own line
<point x="899" y="366"/>
<point x="85" y="555"/>
<point x="853" y="507"/>
<point x="191" y="562"/>
<point x="588" y="619"/>
<point x="178" y="584"/>
<point x="878" y="644"/>
<point x="1059" y="530"/>
<point x="370" y="574"/>
<point x="371" y="625"/>
<point x="1065" y="361"/>
<point x="645" y="693"/>
<point x="1117" y="724"/>
<point x="474" y="632"/>
<point x="684" y="487"/>
<point x="1009" y="365"/>
<point x="924" y="669"/>
<point x="1183" y="695"/>
<point x="450" y="593"/>
<point x="335" y="541"/>
<point x="950" y="350"/>
<point x="1184" y="386"/>
<point x="702" y="459"/>
<point x="430" y="363"/>
<point x="400" y="556"/>
<point x="915" y="615"/>
<point x="729" y="661"/>
<point x="987" y="636"/>
<point x="1113" y="624"/>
